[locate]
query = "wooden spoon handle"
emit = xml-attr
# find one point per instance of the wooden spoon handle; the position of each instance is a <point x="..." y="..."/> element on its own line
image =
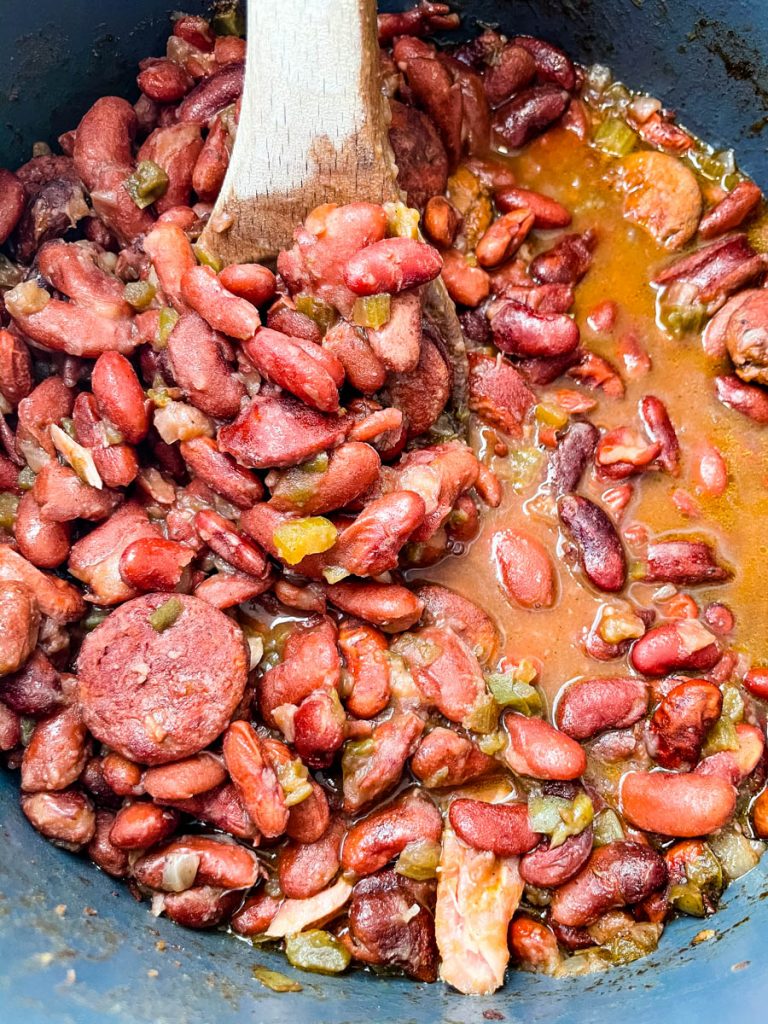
<point x="307" y="135"/>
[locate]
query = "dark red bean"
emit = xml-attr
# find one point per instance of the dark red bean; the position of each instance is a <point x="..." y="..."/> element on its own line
<point x="684" y="563"/>
<point x="501" y="828"/>
<point x="681" y="722"/>
<point x="571" y="457"/>
<point x="529" y="113"/>
<point x="521" y="331"/>
<point x="590" y="706"/>
<point x="599" y="548"/>
<point x="658" y="427"/>
<point x="552" y="65"/>
<point x="547" y="867"/>
<point x="674" y="646"/>
<point x="748" y="399"/>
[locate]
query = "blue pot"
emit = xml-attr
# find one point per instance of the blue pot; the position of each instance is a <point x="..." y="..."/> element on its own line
<point x="104" y="957"/>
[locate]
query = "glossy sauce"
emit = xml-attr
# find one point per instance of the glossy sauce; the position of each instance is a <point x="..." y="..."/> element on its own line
<point x="625" y="259"/>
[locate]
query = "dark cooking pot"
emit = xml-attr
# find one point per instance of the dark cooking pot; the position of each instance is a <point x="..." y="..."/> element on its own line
<point x="98" y="960"/>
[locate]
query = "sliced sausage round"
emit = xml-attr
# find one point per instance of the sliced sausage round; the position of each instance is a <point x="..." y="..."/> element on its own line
<point x="157" y="693"/>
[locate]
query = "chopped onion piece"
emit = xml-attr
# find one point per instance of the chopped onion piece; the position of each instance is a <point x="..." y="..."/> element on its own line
<point x="79" y="458"/>
<point x="180" y="871"/>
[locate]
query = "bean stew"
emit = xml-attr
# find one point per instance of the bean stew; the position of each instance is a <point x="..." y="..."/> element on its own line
<point x="324" y="632"/>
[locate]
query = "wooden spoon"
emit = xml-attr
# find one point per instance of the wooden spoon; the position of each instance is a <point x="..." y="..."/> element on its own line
<point x="312" y="130"/>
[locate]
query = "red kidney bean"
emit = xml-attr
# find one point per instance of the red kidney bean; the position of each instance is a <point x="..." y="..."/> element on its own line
<point x="74" y="329"/>
<point x="10" y="729"/>
<point x="62" y="496"/>
<point x="308" y="820"/>
<point x="528" y="114"/>
<point x="304" y="869"/>
<point x="255" y="779"/>
<point x="391" y="265"/>
<point x="441" y="221"/>
<point x="66" y="818"/>
<point x="433" y="87"/>
<point x="390" y="924"/>
<point x="56" y="753"/>
<point x="20" y="614"/>
<point x="200" y="907"/>
<point x="571" y="457"/>
<point x="524" y="569"/>
<point x="533" y="944"/>
<point x="44" y="543"/>
<point x="201" y="370"/>
<point x="363" y="369"/>
<point x="211" y="167"/>
<point x="122" y="775"/>
<point x="352" y="470"/>
<point x="219" y="534"/>
<point x="501" y="828"/>
<point x="445" y="607"/>
<point x="372" y="543"/>
<point x="57" y="599"/>
<point x="211" y="95"/>
<point x="309" y="598"/>
<point x="255" y="915"/>
<point x="599" y="548"/>
<point x="164" y="81"/>
<point x="756" y="682"/>
<point x="421" y="20"/>
<point x="12" y="204"/>
<point x="521" y="331"/>
<point x="504" y="237"/>
<point x="250" y="281"/>
<point x="381" y="836"/>
<point x="445" y="671"/>
<point x="318" y="728"/>
<point x="35" y="690"/>
<point x="104" y="159"/>
<point x="748" y="399"/>
<point x="365" y="653"/>
<point x="119" y="396"/>
<point x="735" y="766"/>
<point x="659" y="428"/>
<point x="196" y="31"/>
<point x="674" y="646"/>
<point x="294" y="365"/>
<point x="731" y="211"/>
<point x="590" y="706"/>
<point x="378" y="773"/>
<point x="677" y="805"/>
<point x="16" y="380"/>
<point x="140" y="825"/>
<point x="221" y="863"/>
<point x="547" y="212"/>
<point x="552" y="65"/>
<point x="275" y="431"/>
<point x="467" y="285"/>
<point x="184" y="779"/>
<point x="683" y="562"/>
<point x="498" y="393"/>
<point x="617" y="875"/>
<point x="204" y="292"/>
<point x="104" y="854"/>
<point x="681" y="722"/>
<point x="175" y="148"/>
<point x="548" y="867"/>
<point x="171" y="253"/>
<point x="47" y="404"/>
<point x="443" y="758"/>
<point x="221" y="808"/>
<point x="539" y="750"/>
<point x="512" y="70"/>
<point x="221" y="473"/>
<point x="310" y="662"/>
<point x="566" y="262"/>
<point x="153" y="563"/>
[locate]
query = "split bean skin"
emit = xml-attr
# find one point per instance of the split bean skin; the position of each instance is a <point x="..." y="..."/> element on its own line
<point x="322" y="627"/>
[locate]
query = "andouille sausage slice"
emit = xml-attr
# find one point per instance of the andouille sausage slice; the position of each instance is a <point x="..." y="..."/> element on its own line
<point x="158" y="694"/>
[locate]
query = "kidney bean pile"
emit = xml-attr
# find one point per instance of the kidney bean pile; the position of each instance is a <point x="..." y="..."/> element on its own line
<point x="307" y="637"/>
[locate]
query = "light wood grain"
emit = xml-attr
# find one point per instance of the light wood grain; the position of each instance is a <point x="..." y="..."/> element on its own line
<point x="313" y="124"/>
